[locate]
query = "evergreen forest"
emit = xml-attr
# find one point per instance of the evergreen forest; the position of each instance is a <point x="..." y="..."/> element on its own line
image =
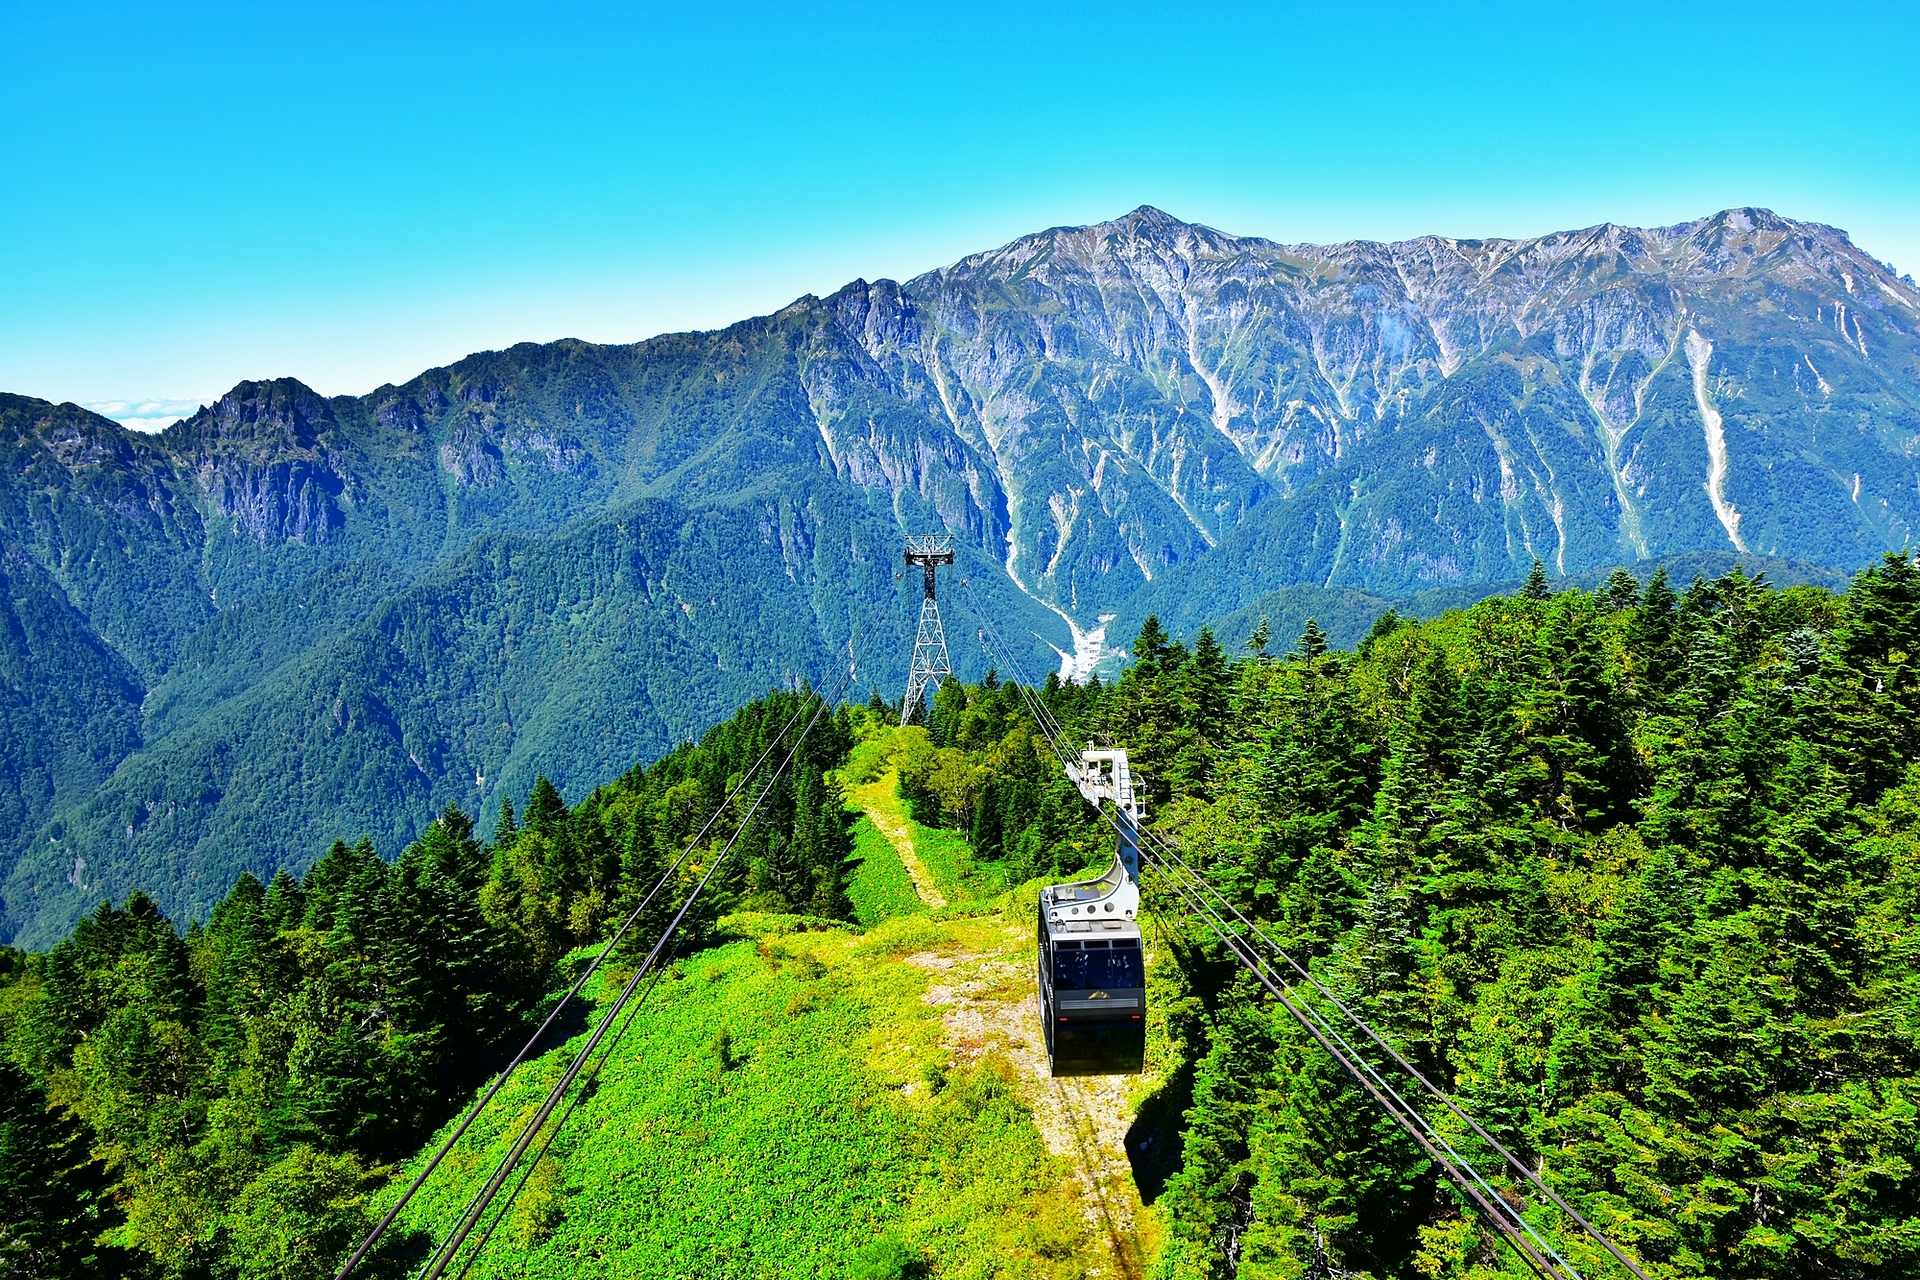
<point x="1633" y="871"/>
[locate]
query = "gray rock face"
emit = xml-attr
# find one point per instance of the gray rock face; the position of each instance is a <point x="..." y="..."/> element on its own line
<point x="267" y="457"/>
<point x="1149" y="394"/>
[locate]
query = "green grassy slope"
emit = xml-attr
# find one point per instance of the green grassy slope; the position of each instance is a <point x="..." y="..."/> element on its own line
<point x="881" y="888"/>
<point x="782" y="1103"/>
<point x="873" y="787"/>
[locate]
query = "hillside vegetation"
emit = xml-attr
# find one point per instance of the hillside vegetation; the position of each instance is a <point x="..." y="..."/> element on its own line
<point x="1633" y="872"/>
<point x="292" y="617"/>
<point x="789" y="1104"/>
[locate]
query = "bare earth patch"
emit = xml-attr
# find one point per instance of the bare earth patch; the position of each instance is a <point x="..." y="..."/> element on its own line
<point x="990" y="1008"/>
<point x="879" y="801"/>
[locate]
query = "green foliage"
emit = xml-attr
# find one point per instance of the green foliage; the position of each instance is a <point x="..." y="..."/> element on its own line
<point x="1620" y="868"/>
<point x="298" y="1217"/>
<point x="768" y="1113"/>
<point x="880" y="888"/>
<point x="1633" y="873"/>
<point x="220" y="1103"/>
<point x="887" y="1258"/>
<point x="999" y="783"/>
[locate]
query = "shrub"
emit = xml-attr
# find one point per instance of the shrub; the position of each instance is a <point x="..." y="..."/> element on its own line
<point x="887" y="1258"/>
<point x="901" y="935"/>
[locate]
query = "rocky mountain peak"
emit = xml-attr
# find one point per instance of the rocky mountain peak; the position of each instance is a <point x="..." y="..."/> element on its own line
<point x="268" y="456"/>
<point x="280" y="414"/>
<point x="74" y="436"/>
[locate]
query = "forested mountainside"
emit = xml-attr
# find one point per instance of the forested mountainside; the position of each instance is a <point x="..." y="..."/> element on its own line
<point x="220" y="1104"/>
<point x="1633" y="872"/>
<point x="1143" y="416"/>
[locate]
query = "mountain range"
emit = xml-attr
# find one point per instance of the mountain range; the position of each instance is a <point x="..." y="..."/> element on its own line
<point x="293" y="617"/>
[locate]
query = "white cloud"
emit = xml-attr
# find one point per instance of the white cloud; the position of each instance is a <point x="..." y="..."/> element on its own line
<point x="145" y="415"/>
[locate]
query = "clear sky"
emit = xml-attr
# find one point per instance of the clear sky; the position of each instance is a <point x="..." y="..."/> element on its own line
<point x="350" y="194"/>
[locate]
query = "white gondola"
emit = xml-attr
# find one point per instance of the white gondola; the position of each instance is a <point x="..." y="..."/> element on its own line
<point x="1092" y="971"/>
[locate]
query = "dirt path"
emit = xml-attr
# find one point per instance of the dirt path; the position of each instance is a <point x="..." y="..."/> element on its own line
<point x="989" y="1007"/>
<point x="881" y="800"/>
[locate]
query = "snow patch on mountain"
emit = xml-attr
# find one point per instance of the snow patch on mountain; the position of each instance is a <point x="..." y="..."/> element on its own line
<point x="1699" y="352"/>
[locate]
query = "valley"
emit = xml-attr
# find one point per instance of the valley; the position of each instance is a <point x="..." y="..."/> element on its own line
<point x="291" y="615"/>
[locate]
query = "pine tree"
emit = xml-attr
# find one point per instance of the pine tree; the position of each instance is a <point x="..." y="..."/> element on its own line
<point x="1622" y="591"/>
<point x="1435" y="717"/>
<point x="1868" y="692"/>
<point x="1536" y="587"/>
<point x="986" y="837"/>
<point x="286" y="901"/>
<point x="1588" y="770"/>
<point x="949" y="704"/>
<point x="242" y="977"/>
<point x="1262" y="637"/>
<point x="1204" y="693"/>
<point x="1650" y="638"/>
<point x="546" y="811"/>
<point x="1210" y="1198"/>
<point x="53" y="1195"/>
<point x="1153" y="643"/>
<point x="1313" y="642"/>
<point x="1383" y="626"/>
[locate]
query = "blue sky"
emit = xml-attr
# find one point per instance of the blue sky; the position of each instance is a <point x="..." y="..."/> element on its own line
<point x="201" y="194"/>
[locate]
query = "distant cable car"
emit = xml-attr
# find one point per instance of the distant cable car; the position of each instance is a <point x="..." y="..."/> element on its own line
<point x="1092" y="972"/>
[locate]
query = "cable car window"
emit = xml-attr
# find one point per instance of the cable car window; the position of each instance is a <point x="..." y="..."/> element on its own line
<point x="1090" y="969"/>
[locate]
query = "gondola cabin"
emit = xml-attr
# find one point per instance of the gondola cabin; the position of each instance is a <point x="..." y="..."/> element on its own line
<point x="1093" y="977"/>
<point x="1092" y="970"/>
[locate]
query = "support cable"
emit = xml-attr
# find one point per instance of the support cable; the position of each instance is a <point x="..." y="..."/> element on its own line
<point x="387" y="1219"/>
<point x="1323" y="1030"/>
<point x="593" y="1076"/>
<point x="1194" y="891"/>
<point x="1410" y="1120"/>
<point x="443" y="1256"/>
<point x="1168" y="852"/>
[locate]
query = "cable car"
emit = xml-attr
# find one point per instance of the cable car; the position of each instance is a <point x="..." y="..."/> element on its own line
<point x="1092" y="971"/>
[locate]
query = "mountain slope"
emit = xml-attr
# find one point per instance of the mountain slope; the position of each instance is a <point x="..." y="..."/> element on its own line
<point x="1390" y="417"/>
<point x="1140" y="414"/>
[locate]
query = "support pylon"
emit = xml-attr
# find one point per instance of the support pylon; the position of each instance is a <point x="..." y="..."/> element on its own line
<point x="930" y="662"/>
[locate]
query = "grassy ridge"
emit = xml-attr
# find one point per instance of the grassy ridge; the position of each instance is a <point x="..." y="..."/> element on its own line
<point x="950" y="858"/>
<point x="881" y="888"/>
<point x="783" y="1105"/>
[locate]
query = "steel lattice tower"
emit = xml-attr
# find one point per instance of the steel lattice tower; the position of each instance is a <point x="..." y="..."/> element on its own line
<point x="930" y="662"/>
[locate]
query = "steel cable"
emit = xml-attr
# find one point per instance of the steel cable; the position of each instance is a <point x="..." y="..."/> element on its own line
<point x="444" y="1254"/>
<point x="1506" y="1219"/>
<point x="386" y="1221"/>
<point x="1440" y="1095"/>
<point x="593" y="1076"/>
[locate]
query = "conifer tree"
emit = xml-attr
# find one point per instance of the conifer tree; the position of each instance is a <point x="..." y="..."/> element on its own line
<point x="1262" y="637"/>
<point x="1313" y="642"/>
<point x="1622" y="591"/>
<point x="53" y="1202"/>
<point x="1153" y="643"/>
<point x="1536" y="586"/>
<point x="1383" y="626"/>
<point x="286" y="901"/>
<point x="1650" y="638"/>
<point x="546" y="811"/>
